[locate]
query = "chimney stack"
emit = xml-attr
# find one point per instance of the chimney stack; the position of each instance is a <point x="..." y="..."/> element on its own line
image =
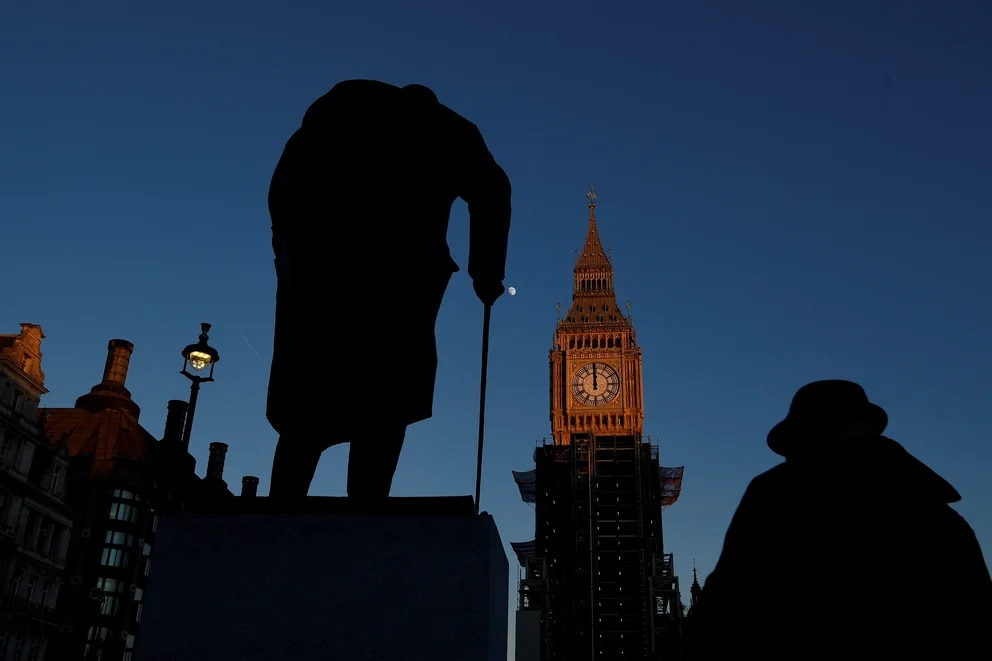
<point x="249" y="486"/>
<point x="110" y="393"/>
<point x="118" y="356"/>
<point x="215" y="462"/>
<point x="174" y="421"/>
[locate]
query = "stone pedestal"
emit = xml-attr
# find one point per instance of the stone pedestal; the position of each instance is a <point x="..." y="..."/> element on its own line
<point x="426" y="579"/>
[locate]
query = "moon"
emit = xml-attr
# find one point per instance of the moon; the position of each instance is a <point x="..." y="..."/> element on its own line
<point x="512" y="291"/>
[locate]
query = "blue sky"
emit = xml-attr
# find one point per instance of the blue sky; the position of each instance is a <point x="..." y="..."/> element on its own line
<point x="791" y="192"/>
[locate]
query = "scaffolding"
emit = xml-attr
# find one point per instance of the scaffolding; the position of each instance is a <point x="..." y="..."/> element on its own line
<point x="595" y="573"/>
<point x="666" y="616"/>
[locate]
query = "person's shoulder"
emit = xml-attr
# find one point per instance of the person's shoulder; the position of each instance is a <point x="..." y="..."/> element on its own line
<point x="773" y="475"/>
<point x="783" y="477"/>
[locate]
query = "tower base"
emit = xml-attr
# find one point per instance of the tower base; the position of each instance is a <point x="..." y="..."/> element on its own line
<point x="424" y="579"/>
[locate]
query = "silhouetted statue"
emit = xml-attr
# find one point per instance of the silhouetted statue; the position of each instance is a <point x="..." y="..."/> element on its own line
<point x="846" y="550"/>
<point x="360" y="201"/>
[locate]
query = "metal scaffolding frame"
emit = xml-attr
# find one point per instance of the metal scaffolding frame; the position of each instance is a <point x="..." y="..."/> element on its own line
<point x="595" y="574"/>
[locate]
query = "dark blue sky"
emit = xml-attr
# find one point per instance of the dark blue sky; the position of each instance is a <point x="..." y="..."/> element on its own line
<point x="793" y="191"/>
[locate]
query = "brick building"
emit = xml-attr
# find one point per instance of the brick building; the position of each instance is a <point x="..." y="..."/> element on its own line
<point x="35" y="523"/>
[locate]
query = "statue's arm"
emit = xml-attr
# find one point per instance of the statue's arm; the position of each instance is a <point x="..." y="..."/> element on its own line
<point x="486" y="189"/>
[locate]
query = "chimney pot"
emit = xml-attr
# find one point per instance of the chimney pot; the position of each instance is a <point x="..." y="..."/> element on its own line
<point x="118" y="356"/>
<point x="174" y="421"/>
<point x="249" y="486"/>
<point x="215" y="462"/>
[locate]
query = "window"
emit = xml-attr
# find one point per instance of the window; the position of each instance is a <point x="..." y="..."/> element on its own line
<point x="118" y="538"/>
<point x="18" y="643"/>
<point x="124" y="494"/>
<point x="45" y="529"/>
<point x="115" y="557"/>
<point x="112" y="589"/>
<point x="123" y="512"/>
<point x="110" y="604"/>
<point x="30" y="529"/>
<point x="15" y="583"/>
<point x="4" y="504"/>
<point x="97" y="635"/>
<point x="109" y="585"/>
<point x="58" y="472"/>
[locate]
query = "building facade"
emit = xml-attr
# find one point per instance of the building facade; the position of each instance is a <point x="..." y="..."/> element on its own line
<point x="35" y="523"/>
<point x="122" y="478"/>
<point x="597" y="572"/>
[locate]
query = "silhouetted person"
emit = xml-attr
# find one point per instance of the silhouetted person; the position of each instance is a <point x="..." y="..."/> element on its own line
<point x="359" y="202"/>
<point x="847" y="550"/>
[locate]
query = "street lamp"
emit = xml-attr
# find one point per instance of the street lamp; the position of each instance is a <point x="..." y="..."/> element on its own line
<point x="199" y="358"/>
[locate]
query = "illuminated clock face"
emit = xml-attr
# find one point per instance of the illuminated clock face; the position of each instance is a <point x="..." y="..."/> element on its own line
<point x="596" y="384"/>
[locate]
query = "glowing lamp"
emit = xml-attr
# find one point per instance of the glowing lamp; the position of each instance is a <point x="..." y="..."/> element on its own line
<point x="198" y="357"/>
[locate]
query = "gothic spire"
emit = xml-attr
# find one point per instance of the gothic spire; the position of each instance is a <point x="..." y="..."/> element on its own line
<point x="696" y="589"/>
<point x="592" y="256"/>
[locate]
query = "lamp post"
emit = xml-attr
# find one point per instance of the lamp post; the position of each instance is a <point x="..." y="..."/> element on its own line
<point x="199" y="358"/>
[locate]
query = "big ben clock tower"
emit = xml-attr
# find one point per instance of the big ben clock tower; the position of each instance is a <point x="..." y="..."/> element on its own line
<point x="597" y="582"/>
<point x="596" y="383"/>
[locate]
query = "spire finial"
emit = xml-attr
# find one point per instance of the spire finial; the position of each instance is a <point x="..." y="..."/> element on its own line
<point x="592" y="202"/>
<point x="559" y="310"/>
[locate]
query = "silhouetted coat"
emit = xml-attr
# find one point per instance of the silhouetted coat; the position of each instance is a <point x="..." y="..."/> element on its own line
<point x="359" y="202"/>
<point x="846" y="553"/>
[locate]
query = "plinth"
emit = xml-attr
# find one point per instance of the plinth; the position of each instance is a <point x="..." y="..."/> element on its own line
<point x="422" y="579"/>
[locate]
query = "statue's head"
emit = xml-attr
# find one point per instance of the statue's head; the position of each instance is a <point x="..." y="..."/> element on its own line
<point x="420" y="92"/>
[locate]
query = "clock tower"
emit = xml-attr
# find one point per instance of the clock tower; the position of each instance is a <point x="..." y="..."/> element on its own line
<point x="596" y="383"/>
<point x="597" y="582"/>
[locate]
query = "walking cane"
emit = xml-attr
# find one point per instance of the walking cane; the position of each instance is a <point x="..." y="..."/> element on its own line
<point x="482" y="401"/>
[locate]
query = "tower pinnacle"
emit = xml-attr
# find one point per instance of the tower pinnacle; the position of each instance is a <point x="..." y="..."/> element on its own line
<point x="593" y="255"/>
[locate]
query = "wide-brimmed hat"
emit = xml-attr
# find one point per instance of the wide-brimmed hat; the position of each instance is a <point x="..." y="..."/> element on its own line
<point x="821" y="407"/>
